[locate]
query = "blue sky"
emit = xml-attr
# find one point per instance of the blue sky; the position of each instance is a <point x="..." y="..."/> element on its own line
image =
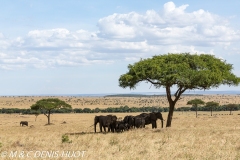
<point x="82" y="47"/>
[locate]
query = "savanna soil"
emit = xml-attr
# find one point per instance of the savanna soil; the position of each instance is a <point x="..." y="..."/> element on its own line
<point x="104" y="102"/>
<point x="205" y="137"/>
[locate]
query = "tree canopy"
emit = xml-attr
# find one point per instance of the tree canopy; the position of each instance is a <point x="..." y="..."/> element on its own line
<point x="212" y="105"/>
<point x="231" y="107"/>
<point x="49" y="104"/>
<point x="195" y="102"/>
<point x="185" y="71"/>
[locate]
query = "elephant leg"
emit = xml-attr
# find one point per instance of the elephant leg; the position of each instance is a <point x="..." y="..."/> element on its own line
<point x="113" y="128"/>
<point x="153" y="124"/>
<point x="104" y="128"/>
<point x="95" y="128"/>
<point x="100" y="125"/>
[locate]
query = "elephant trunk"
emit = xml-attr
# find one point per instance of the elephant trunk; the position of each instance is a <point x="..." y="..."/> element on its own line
<point x="162" y="123"/>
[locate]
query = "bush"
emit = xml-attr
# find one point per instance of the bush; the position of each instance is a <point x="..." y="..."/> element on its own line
<point x="65" y="139"/>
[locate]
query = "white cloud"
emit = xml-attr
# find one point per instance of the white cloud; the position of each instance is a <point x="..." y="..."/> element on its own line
<point x="128" y="36"/>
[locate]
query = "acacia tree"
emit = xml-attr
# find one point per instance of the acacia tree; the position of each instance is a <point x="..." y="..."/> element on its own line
<point x="195" y="102"/>
<point x="47" y="105"/>
<point x="232" y="107"/>
<point x="212" y="105"/>
<point x="184" y="71"/>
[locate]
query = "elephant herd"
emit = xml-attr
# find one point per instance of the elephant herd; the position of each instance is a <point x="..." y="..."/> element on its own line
<point x="112" y="123"/>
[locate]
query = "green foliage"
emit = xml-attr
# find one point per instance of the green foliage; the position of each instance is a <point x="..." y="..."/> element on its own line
<point x="87" y="110"/>
<point x="121" y="109"/>
<point x="50" y="104"/>
<point x="195" y="102"/>
<point x="189" y="71"/>
<point x="65" y="139"/>
<point x="183" y="109"/>
<point x="212" y="104"/>
<point x="231" y="107"/>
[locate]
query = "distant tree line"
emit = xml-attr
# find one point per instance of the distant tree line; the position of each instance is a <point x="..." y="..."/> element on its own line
<point x="121" y="109"/>
<point x="29" y="111"/>
<point x="205" y="108"/>
<point x="149" y="96"/>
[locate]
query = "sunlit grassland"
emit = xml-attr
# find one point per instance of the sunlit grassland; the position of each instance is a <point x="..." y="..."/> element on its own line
<point x="105" y="102"/>
<point x="205" y="137"/>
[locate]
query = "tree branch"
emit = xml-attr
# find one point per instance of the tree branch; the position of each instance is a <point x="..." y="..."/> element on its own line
<point x="45" y="114"/>
<point x="179" y="93"/>
<point x="149" y="80"/>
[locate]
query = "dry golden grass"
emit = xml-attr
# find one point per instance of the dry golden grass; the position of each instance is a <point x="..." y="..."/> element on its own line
<point x="205" y="137"/>
<point x="104" y="102"/>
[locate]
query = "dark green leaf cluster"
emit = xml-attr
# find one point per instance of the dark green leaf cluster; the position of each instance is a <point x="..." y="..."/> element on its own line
<point x="121" y="109"/>
<point x="18" y="110"/>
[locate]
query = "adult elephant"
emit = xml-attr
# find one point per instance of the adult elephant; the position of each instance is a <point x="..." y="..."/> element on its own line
<point x="151" y="118"/>
<point x="139" y="121"/>
<point x="129" y="120"/>
<point x="108" y="121"/>
<point x="113" y="123"/>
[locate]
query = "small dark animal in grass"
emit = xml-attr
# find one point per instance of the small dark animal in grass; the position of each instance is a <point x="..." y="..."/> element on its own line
<point x="22" y="123"/>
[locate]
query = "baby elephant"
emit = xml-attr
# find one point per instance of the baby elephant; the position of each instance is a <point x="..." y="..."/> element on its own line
<point x="22" y="123"/>
<point x="120" y="126"/>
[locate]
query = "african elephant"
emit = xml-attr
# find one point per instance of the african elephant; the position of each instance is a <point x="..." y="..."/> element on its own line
<point x="139" y="121"/>
<point x="108" y="121"/>
<point x="129" y="120"/>
<point x="113" y="123"/>
<point x="22" y="123"/>
<point x="121" y="126"/>
<point x="151" y="118"/>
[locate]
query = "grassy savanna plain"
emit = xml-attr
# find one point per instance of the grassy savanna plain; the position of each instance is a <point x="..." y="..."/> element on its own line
<point x="104" y="102"/>
<point x="205" y="137"/>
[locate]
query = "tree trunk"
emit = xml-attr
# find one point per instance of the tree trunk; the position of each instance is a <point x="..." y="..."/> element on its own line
<point x="211" y="111"/>
<point x="196" y="111"/>
<point x="172" y="103"/>
<point x="170" y="114"/>
<point x="49" y="112"/>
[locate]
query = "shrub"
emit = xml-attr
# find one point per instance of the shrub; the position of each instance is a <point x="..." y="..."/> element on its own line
<point x="65" y="139"/>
